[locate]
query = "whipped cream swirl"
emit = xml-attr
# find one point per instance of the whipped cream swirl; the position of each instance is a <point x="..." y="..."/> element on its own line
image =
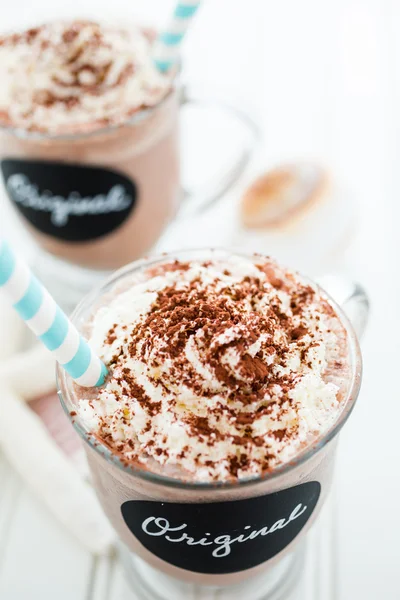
<point x="218" y="370"/>
<point x="66" y="77"/>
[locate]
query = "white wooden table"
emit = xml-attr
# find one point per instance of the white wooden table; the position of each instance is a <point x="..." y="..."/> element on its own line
<point x="323" y="77"/>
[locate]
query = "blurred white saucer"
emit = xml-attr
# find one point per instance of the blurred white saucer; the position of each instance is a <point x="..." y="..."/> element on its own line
<point x="312" y="240"/>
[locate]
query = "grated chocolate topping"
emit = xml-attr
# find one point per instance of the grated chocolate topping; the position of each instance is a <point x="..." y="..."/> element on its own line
<point x="65" y="76"/>
<point x="221" y="369"/>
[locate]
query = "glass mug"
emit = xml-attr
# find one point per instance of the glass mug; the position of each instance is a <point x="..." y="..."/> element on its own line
<point x="101" y="199"/>
<point x="243" y="539"/>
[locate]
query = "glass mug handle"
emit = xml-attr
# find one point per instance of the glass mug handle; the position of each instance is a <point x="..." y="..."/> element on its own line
<point x="351" y="297"/>
<point x="202" y="197"/>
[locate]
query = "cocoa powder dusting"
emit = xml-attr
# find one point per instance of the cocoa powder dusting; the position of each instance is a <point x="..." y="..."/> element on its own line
<point x="62" y="71"/>
<point x="216" y="356"/>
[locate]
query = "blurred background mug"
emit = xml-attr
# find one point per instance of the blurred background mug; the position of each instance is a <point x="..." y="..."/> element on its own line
<point x="96" y="192"/>
<point x="102" y="199"/>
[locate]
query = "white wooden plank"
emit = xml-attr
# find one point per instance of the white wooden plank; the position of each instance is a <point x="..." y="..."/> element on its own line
<point x="42" y="560"/>
<point x="10" y="487"/>
<point x="119" y="589"/>
<point x="103" y="571"/>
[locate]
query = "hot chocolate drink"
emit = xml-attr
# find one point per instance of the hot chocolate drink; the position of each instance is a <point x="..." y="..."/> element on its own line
<point x="212" y="442"/>
<point x="88" y="142"/>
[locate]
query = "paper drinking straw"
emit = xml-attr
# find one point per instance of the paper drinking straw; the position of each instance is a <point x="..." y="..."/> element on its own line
<point x="167" y="45"/>
<point x="42" y="315"/>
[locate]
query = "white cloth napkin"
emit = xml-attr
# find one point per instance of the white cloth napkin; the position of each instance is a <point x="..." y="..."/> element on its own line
<point x="45" y="468"/>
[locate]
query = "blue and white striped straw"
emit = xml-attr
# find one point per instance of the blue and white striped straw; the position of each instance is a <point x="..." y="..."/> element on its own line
<point x="167" y="46"/>
<point x="42" y="315"/>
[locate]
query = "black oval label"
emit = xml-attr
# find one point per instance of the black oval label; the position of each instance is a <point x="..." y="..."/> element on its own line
<point x="222" y="537"/>
<point x="67" y="201"/>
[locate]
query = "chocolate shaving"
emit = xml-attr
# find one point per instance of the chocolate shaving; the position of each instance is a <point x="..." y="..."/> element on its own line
<point x="245" y="351"/>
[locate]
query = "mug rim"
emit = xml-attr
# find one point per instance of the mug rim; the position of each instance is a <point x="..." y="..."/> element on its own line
<point x="65" y="391"/>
